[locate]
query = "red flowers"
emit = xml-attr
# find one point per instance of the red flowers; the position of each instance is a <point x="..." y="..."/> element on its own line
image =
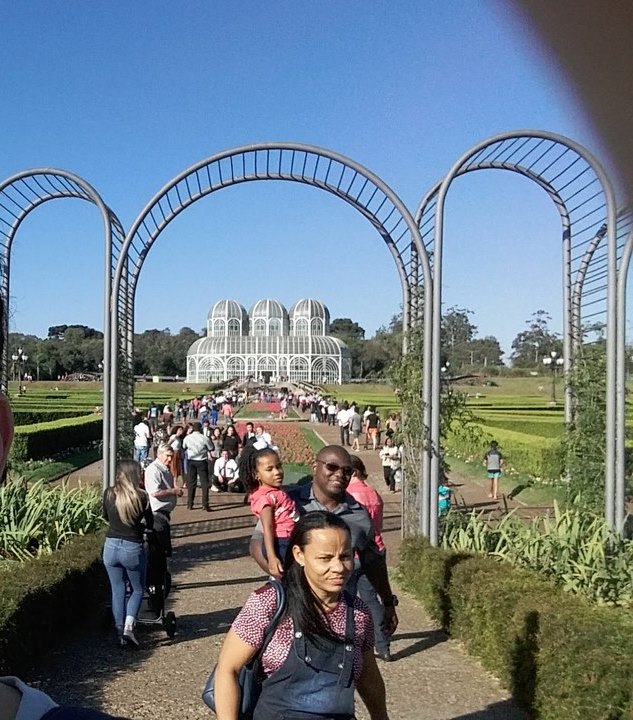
<point x="271" y="407"/>
<point x="292" y="443"/>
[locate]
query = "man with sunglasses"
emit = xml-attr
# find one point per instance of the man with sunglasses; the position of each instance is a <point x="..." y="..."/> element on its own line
<point x="331" y="473"/>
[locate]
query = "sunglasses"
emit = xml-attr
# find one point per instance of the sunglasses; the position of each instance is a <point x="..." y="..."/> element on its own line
<point x="334" y="468"/>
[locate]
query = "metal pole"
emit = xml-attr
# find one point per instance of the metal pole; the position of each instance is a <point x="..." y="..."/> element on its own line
<point x="613" y="427"/>
<point x="620" y="480"/>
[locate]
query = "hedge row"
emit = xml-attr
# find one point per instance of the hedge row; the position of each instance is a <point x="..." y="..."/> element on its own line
<point x="562" y="657"/>
<point x="33" y="417"/>
<point x="536" y="456"/>
<point x="34" y="442"/>
<point x="41" y="598"/>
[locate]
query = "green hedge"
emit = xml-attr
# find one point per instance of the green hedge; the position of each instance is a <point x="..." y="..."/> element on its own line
<point x="41" y="598"/>
<point x="539" y="457"/>
<point x="562" y="657"/>
<point x="33" y="417"/>
<point x="33" y="442"/>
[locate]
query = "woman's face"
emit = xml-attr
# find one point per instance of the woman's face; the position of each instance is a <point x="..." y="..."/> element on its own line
<point x="327" y="560"/>
<point x="230" y="430"/>
<point x="217" y="433"/>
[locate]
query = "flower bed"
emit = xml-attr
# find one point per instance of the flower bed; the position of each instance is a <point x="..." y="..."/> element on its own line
<point x="270" y="407"/>
<point x="292" y="443"/>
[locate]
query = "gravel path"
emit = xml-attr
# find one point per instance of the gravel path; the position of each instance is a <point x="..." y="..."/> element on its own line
<point x="430" y="678"/>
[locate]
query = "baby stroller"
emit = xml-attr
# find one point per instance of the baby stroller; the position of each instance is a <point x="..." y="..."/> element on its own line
<point x="157" y="586"/>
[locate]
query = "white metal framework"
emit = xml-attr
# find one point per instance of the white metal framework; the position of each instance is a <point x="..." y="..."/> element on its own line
<point x="269" y="344"/>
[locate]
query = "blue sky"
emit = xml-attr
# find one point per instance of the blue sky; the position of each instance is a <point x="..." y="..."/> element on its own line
<point x="128" y="94"/>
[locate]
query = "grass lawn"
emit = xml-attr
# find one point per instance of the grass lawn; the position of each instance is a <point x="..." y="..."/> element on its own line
<point x="313" y="441"/>
<point x="50" y="471"/>
<point x="517" y="486"/>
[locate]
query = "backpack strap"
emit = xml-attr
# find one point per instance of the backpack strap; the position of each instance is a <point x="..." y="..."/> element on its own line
<point x="281" y="602"/>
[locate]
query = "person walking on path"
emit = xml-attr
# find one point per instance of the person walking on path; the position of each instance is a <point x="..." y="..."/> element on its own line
<point x="369" y="497"/>
<point x="372" y="428"/>
<point x="142" y="440"/>
<point x="331" y="472"/>
<point x="198" y="449"/>
<point x="322" y="648"/>
<point x="355" y="427"/>
<point x="126" y="507"/>
<point x="493" y="461"/>
<point x="342" y="418"/>
<point x="390" y="459"/>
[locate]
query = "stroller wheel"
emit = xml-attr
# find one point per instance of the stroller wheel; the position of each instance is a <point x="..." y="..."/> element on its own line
<point x="169" y="624"/>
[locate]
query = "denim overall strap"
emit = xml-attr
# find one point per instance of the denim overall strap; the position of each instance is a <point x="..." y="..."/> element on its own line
<point x="316" y="682"/>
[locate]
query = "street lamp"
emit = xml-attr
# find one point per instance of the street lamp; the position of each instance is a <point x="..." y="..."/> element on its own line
<point x="553" y="362"/>
<point x="19" y="361"/>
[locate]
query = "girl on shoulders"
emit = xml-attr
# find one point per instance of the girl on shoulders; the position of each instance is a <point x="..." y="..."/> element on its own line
<point x="271" y="505"/>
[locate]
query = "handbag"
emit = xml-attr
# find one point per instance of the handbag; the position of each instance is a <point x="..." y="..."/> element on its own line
<point x="249" y="676"/>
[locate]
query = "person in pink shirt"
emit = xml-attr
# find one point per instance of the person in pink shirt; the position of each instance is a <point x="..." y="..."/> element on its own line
<point x="272" y="506"/>
<point x="368" y="496"/>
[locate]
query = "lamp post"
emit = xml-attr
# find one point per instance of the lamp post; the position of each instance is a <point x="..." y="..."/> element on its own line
<point x="553" y="362"/>
<point x="19" y="362"/>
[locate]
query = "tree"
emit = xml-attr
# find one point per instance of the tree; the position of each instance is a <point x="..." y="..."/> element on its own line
<point x="485" y="352"/>
<point x="457" y="334"/>
<point x="533" y="344"/>
<point x="353" y="335"/>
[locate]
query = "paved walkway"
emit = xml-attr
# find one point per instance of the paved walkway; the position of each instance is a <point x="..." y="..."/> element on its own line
<point x="431" y="678"/>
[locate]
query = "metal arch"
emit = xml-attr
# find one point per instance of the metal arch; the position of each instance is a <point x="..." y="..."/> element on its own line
<point x="623" y="272"/>
<point x="605" y="191"/>
<point x="20" y="194"/>
<point x="296" y="162"/>
<point x="426" y="204"/>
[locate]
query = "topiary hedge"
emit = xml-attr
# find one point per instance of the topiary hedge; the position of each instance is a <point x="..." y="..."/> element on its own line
<point x="539" y="457"/>
<point x="33" y="442"/>
<point x="32" y="417"/>
<point x="41" y="598"/>
<point x="562" y="657"/>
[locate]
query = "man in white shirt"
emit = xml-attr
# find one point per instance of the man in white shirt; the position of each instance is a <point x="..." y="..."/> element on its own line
<point x="142" y="441"/>
<point x="199" y="450"/>
<point x="342" y="418"/>
<point x="160" y="486"/>
<point x="224" y="472"/>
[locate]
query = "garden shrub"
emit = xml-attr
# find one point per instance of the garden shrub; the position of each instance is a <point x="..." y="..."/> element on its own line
<point x="563" y="657"/>
<point x="33" y="442"/>
<point x="538" y="457"/>
<point x="32" y="417"/>
<point x="41" y="598"/>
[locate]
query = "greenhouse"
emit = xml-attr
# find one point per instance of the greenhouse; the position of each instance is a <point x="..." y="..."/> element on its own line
<point x="269" y="344"/>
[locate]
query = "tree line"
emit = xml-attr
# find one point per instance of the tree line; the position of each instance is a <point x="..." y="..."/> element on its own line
<point x="71" y="349"/>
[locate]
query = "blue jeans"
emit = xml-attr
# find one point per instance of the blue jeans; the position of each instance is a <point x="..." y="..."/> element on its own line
<point x="124" y="560"/>
<point x="369" y="596"/>
<point x="140" y="454"/>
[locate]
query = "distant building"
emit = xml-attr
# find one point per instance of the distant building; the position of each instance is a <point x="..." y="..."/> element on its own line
<point x="269" y="344"/>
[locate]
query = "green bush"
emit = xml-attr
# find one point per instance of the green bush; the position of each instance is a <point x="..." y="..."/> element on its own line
<point x="33" y="442"/>
<point x="41" y="598"/>
<point x="562" y="657"/>
<point x="32" y="417"/>
<point x="538" y="457"/>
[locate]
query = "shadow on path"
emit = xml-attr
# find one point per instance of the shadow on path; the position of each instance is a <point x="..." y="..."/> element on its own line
<point x="503" y="710"/>
<point x="425" y="640"/>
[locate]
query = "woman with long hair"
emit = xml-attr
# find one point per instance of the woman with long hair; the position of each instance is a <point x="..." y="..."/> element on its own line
<point x="322" y="648"/>
<point x="125" y="507"/>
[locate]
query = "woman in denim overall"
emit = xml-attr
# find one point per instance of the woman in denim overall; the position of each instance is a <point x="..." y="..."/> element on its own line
<point x="322" y="648"/>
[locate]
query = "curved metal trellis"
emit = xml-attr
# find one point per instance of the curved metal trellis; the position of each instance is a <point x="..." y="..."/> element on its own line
<point x="19" y="196"/>
<point x="292" y="162"/>
<point x="582" y="193"/>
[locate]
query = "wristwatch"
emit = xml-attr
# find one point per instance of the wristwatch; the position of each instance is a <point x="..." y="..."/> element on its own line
<point x="391" y="602"/>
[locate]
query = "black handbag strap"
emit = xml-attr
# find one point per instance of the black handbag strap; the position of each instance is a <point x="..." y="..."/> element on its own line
<point x="281" y="602"/>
